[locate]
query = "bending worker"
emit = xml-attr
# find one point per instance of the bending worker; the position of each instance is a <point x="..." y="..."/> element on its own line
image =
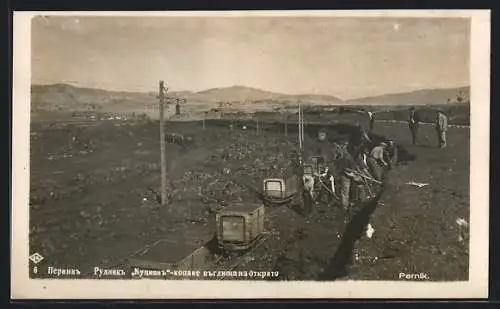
<point x="376" y="161"/>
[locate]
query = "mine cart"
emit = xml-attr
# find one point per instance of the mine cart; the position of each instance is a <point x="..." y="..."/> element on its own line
<point x="239" y="226"/>
<point x="279" y="191"/>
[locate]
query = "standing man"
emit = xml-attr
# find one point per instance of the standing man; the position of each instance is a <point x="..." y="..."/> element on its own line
<point x="344" y="167"/>
<point x="177" y="108"/>
<point x="413" y="123"/>
<point x="441" y="128"/>
<point x="371" y="118"/>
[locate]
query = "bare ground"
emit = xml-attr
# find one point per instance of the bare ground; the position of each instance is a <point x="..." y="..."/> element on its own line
<point x="87" y="201"/>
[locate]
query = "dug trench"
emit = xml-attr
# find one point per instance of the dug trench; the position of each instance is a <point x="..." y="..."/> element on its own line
<point x="290" y="249"/>
<point x="415" y="230"/>
<point x="306" y="244"/>
<point x="110" y="222"/>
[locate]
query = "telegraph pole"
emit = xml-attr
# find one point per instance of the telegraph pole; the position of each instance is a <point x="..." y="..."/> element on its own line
<point x="300" y="129"/>
<point x="162" y="145"/>
<point x="302" y="124"/>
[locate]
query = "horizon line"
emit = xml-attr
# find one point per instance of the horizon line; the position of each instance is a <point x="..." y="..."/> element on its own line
<point x="250" y="87"/>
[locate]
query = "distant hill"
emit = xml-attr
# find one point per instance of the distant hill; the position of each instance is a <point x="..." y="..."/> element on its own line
<point x="236" y="93"/>
<point x="68" y="97"/>
<point x="245" y="94"/>
<point x="418" y="97"/>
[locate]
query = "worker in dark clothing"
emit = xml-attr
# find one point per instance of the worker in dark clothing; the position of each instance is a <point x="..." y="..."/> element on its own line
<point x="358" y="140"/>
<point x="343" y="165"/>
<point x="413" y="123"/>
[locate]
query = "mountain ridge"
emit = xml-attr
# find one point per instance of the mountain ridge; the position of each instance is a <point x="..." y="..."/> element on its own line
<point x="417" y="97"/>
<point x="64" y="96"/>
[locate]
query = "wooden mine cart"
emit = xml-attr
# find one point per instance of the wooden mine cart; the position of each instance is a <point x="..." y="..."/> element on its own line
<point x="279" y="190"/>
<point x="239" y="226"/>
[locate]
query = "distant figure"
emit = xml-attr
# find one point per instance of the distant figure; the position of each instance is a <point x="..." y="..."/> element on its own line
<point x="413" y="123"/>
<point x="323" y="148"/>
<point x="371" y="118"/>
<point x="441" y="128"/>
<point x="177" y="109"/>
<point x="322" y="135"/>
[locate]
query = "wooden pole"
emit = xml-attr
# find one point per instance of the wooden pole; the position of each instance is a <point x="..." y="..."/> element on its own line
<point x="302" y="124"/>
<point x="162" y="146"/>
<point x="300" y="131"/>
<point x="286" y="129"/>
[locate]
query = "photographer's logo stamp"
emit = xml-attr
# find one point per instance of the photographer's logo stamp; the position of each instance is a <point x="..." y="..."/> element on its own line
<point x="36" y="258"/>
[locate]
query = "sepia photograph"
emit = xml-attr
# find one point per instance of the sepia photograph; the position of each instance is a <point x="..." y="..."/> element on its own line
<point x="269" y="154"/>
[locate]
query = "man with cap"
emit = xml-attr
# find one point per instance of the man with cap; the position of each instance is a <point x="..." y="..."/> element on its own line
<point x="441" y="127"/>
<point x="413" y="123"/>
<point x="337" y="160"/>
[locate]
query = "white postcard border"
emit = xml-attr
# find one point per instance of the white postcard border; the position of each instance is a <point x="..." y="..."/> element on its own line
<point x="477" y="287"/>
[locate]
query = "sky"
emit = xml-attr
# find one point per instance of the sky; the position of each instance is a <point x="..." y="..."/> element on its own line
<point x="342" y="56"/>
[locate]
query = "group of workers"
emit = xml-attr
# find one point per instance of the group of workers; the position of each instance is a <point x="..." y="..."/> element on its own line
<point x="359" y="162"/>
<point x="370" y="161"/>
<point x="362" y="162"/>
<point x="441" y="125"/>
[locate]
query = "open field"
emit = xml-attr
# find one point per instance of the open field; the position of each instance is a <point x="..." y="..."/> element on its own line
<point x="89" y="181"/>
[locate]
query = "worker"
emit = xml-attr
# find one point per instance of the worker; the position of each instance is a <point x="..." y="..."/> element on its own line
<point x="322" y="135"/>
<point x="361" y="160"/>
<point x="441" y="128"/>
<point x="328" y="155"/>
<point x="392" y="153"/>
<point x="358" y="140"/>
<point x="413" y="123"/>
<point x="371" y="118"/>
<point x="177" y="109"/>
<point x="376" y="161"/>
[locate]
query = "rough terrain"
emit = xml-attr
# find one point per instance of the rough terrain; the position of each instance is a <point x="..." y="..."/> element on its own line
<point x="94" y="191"/>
